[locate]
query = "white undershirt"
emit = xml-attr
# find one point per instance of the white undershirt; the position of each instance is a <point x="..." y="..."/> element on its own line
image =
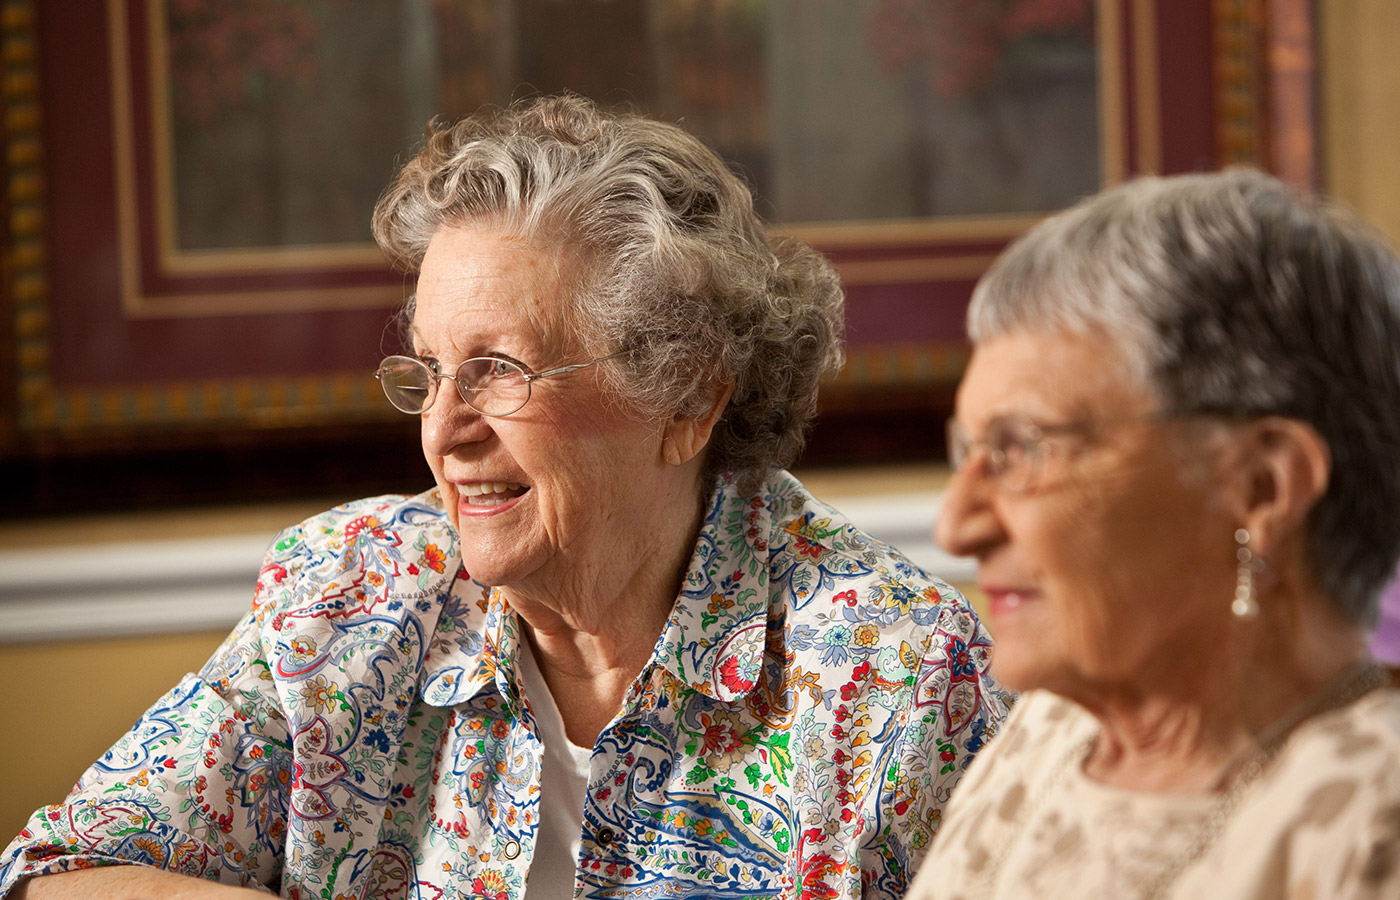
<point x="563" y="787"/>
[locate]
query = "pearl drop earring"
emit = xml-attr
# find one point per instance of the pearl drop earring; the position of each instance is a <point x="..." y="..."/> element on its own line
<point x="1246" y="603"/>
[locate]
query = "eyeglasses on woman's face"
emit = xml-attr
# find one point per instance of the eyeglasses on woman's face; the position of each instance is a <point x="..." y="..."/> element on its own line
<point x="1014" y="447"/>
<point x="490" y="385"/>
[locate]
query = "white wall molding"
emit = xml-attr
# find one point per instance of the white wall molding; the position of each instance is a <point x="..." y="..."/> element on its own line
<point x="115" y="590"/>
<point x="152" y="587"/>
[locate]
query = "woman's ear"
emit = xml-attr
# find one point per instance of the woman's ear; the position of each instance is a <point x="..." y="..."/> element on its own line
<point x="1287" y="467"/>
<point x="686" y="436"/>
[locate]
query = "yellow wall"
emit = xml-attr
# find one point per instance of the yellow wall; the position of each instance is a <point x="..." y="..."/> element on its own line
<point x="1360" y="99"/>
<point x="64" y="704"/>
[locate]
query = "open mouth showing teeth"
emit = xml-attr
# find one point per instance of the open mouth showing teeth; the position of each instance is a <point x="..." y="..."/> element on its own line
<point x="490" y="493"/>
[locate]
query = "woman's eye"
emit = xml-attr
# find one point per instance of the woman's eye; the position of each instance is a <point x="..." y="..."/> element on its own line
<point x="1013" y="453"/>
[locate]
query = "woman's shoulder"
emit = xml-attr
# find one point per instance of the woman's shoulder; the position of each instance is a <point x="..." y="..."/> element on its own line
<point x="1327" y="812"/>
<point x="831" y="571"/>
<point x="1041" y="731"/>
<point x="809" y="532"/>
<point x="373" y="554"/>
<point x="368" y="516"/>
<point x="1363" y="738"/>
<point x="1358" y="745"/>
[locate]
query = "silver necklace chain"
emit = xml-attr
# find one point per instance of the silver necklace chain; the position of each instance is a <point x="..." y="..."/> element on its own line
<point x="1239" y="774"/>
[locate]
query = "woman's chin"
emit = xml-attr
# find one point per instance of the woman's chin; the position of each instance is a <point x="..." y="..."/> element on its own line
<point x="490" y="572"/>
<point x="1023" y="644"/>
<point x="495" y="560"/>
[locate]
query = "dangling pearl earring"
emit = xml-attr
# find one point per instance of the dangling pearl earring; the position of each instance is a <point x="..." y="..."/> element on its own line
<point x="1246" y="605"/>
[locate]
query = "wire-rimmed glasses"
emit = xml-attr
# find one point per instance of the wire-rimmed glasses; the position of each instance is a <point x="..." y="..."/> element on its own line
<point x="1014" y="447"/>
<point x="490" y="385"/>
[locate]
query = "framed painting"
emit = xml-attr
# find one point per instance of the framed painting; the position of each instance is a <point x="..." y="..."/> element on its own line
<point x="190" y="181"/>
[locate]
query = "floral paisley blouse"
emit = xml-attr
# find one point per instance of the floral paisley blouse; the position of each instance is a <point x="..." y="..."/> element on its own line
<point x="364" y="732"/>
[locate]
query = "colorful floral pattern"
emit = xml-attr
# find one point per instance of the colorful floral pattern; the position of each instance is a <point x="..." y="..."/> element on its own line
<point x="364" y="732"/>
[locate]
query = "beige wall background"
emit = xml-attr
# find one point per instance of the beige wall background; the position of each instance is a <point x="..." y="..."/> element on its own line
<point x="64" y="704"/>
<point x="1360" y="107"/>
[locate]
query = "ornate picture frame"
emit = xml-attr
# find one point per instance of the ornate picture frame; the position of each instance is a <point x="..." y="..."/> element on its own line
<point x="123" y="339"/>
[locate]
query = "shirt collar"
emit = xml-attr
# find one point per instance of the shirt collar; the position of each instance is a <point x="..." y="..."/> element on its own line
<point x="474" y="648"/>
<point x="714" y="641"/>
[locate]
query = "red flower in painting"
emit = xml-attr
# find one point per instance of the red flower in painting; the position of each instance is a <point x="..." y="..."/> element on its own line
<point x="233" y="55"/>
<point x="960" y="47"/>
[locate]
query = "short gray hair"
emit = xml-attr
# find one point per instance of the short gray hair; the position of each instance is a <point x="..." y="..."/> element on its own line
<point x="1239" y="297"/>
<point x="678" y="273"/>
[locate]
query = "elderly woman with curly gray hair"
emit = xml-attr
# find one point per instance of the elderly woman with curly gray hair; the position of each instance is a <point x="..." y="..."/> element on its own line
<point x="617" y="651"/>
<point x="1177" y="446"/>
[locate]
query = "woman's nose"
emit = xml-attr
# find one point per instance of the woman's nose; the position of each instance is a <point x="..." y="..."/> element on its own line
<point x="449" y="423"/>
<point x="968" y="523"/>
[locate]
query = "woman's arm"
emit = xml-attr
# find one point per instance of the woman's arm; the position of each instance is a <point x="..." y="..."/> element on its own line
<point x="200" y="784"/>
<point x="271" y="766"/>
<point x="125" y="883"/>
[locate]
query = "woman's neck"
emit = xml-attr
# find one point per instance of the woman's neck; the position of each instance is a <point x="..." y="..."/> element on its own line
<point x="593" y="630"/>
<point x="1184" y="732"/>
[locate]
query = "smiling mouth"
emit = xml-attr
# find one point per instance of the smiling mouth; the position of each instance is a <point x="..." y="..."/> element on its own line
<point x="490" y="493"/>
<point x="1005" y="600"/>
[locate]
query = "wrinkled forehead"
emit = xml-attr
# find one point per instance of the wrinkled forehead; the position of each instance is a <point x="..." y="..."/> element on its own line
<point x="480" y="287"/>
<point x="1049" y="376"/>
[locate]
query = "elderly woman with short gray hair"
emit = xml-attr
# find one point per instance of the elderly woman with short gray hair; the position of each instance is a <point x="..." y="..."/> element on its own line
<point x="1176" y="449"/>
<point x="617" y="651"/>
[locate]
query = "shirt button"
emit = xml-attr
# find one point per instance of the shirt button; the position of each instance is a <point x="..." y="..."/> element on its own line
<point x="605" y="836"/>
<point x="512" y="849"/>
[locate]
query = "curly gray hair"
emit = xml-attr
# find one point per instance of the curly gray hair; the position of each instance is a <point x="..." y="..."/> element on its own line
<point x="678" y="274"/>
<point x="1236" y="297"/>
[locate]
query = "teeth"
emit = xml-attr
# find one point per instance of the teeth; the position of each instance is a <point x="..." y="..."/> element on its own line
<point x="481" y="488"/>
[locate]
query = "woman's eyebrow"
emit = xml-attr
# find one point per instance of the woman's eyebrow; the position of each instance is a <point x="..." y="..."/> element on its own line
<point x="501" y="354"/>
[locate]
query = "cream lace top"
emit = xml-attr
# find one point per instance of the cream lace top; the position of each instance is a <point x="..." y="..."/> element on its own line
<point x="1322" y="821"/>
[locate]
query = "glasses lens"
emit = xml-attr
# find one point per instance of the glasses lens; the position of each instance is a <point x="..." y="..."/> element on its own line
<point x="492" y="387"/>
<point x="1013" y="452"/>
<point x="407" y="383"/>
<point x="957" y="445"/>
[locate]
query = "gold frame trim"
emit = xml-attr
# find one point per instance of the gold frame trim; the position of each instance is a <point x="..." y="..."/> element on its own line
<point x="1235" y="30"/>
<point x="1146" y="88"/>
<point x="937" y="364"/>
<point x="28" y="236"/>
<point x="914" y="269"/>
<point x="1112" y="114"/>
<point x="44" y="408"/>
<point x="176" y="261"/>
